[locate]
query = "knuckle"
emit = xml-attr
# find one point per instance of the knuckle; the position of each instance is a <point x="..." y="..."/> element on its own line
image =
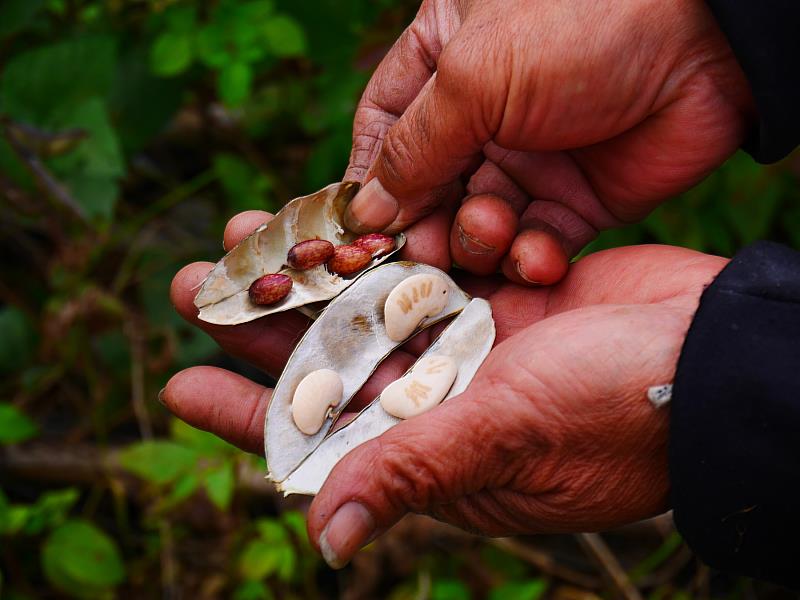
<point x="407" y="477"/>
<point x="370" y="127"/>
<point x="397" y="155"/>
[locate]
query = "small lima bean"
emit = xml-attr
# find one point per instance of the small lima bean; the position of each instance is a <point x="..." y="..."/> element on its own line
<point x="420" y="389"/>
<point x="412" y="300"/>
<point x="315" y="395"/>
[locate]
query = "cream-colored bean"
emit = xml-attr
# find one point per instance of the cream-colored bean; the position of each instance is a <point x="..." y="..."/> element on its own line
<point x="412" y="300"/>
<point x="315" y="395"/>
<point x="420" y="389"/>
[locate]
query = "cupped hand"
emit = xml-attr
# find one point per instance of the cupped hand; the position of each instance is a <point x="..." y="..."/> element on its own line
<point x="554" y="434"/>
<point x="578" y="116"/>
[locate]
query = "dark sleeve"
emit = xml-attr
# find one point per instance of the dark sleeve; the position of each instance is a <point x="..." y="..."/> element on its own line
<point x="735" y="419"/>
<point x="765" y="37"/>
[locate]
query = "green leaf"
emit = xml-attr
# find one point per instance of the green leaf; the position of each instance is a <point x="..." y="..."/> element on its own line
<point x="12" y="168"/>
<point x="203" y="442"/>
<point x="449" y="589"/>
<point x="39" y="82"/>
<point x="81" y="560"/>
<point x="91" y="170"/>
<point x="234" y="83"/>
<point x="18" y="337"/>
<point x="284" y="36"/>
<point x="296" y="523"/>
<point x="137" y="122"/>
<point x="49" y="510"/>
<point x="254" y="11"/>
<point x="252" y="590"/>
<point x="17" y="518"/>
<point x="96" y="194"/>
<point x="15" y="427"/>
<point x="211" y="45"/>
<point x="180" y="19"/>
<point x="99" y="154"/>
<point x="5" y="508"/>
<point x="15" y="15"/>
<point x="172" y="54"/>
<point x="272" y="532"/>
<point x="219" y="484"/>
<point x="158" y="461"/>
<point x="184" y="487"/>
<point x="516" y="590"/>
<point x="261" y="559"/>
<point x="245" y="186"/>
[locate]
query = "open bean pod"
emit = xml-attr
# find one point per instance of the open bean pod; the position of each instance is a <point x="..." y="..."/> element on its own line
<point x="349" y="338"/>
<point x="467" y="340"/>
<point x="223" y="297"/>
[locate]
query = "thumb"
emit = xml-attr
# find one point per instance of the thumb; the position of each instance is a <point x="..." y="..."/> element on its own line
<point x="423" y="155"/>
<point x="420" y="463"/>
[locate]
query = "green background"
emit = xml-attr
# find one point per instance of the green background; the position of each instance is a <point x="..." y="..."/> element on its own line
<point x="130" y="132"/>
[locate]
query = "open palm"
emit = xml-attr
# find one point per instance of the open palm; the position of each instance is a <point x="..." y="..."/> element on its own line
<point x="554" y="433"/>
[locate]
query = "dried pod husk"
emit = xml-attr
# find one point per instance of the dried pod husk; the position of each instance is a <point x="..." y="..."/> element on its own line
<point x="467" y="340"/>
<point x="349" y="338"/>
<point x="223" y="298"/>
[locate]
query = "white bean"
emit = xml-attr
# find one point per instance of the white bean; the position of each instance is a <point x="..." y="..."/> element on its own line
<point x="420" y="389"/>
<point x="315" y="395"/>
<point x="412" y="300"/>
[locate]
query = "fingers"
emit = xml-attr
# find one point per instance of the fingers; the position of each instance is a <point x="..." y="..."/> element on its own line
<point x="482" y="233"/>
<point x="391" y="89"/>
<point x="242" y="225"/>
<point x="491" y="179"/>
<point x="416" y="464"/>
<point x="536" y="258"/>
<point x="565" y="213"/>
<point x="426" y="240"/>
<point x="266" y="342"/>
<point x="223" y="403"/>
<point x="424" y="153"/>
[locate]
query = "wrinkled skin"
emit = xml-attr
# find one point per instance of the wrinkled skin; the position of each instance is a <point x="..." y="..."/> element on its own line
<point x="579" y="115"/>
<point x="554" y="433"/>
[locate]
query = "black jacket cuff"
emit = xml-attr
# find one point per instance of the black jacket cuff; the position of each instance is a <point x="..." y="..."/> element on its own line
<point x="735" y="419"/>
<point x="765" y="37"/>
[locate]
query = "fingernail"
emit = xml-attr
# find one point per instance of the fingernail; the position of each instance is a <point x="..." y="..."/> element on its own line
<point x="373" y="209"/>
<point x="349" y="529"/>
<point x="161" y="396"/>
<point x="472" y="244"/>
<point x="522" y="274"/>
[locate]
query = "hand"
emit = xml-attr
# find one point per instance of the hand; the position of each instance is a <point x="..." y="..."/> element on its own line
<point x="554" y="434"/>
<point x="582" y="116"/>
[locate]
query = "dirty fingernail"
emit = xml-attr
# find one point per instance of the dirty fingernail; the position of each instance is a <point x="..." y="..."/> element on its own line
<point x="373" y="209"/>
<point x="521" y="273"/>
<point x="472" y="244"/>
<point x="161" y="396"/>
<point x="349" y="529"/>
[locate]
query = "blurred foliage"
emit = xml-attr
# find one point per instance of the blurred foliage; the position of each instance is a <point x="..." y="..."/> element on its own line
<point x="130" y="131"/>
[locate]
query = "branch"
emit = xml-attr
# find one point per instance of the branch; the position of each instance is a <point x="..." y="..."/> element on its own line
<point x="88" y="464"/>
<point x="49" y="184"/>
<point x="596" y="547"/>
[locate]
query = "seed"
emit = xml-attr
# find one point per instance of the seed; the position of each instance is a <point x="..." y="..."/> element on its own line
<point x="270" y="289"/>
<point x="315" y="395"/>
<point x="347" y="260"/>
<point x="420" y="389"/>
<point x="412" y="300"/>
<point x="309" y="254"/>
<point x="376" y="244"/>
